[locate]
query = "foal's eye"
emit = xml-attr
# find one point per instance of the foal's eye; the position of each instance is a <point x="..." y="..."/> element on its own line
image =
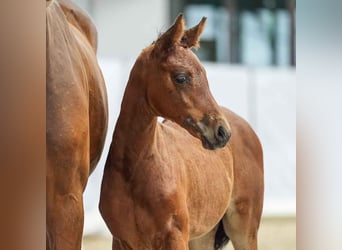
<point x="181" y="78"/>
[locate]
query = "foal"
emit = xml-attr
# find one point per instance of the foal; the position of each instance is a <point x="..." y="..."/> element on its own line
<point x="171" y="183"/>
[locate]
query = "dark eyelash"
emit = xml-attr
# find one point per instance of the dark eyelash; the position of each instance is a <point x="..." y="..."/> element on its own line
<point x="181" y="78"/>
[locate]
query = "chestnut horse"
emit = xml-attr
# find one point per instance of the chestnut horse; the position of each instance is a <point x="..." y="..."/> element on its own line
<point x="178" y="184"/>
<point x="76" y="119"/>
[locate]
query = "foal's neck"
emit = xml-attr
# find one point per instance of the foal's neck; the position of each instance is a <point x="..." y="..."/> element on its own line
<point x="135" y="131"/>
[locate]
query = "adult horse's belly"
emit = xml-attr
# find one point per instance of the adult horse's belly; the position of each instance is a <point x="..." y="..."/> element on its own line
<point x="208" y="179"/>
<point x="98" y="128"/>
<point x="98" y="117"/>
<point x="98" y="106"/>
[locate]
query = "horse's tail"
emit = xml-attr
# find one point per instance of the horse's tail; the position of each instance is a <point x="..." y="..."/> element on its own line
<point x="221" y="238"/>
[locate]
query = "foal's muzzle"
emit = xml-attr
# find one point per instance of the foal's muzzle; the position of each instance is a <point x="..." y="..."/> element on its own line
<point x="222" y="136"/>
<point x="219" y="140"/>
<point x="214" y="133"/>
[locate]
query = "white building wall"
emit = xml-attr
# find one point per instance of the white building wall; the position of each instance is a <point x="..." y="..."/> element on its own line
<point x="126" y="27"/>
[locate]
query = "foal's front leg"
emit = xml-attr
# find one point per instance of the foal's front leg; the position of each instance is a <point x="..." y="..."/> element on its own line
<point x="166" y="239"/>
<point x="173" y="239"/>
<point x="172" y="232"/>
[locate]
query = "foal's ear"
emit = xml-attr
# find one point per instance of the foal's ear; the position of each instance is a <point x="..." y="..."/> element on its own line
<point x="171" y="37"/>
<point x="191" y="36"/>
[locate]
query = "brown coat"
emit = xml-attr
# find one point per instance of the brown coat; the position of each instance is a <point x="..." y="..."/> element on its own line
<point x="166" y="184"/>
<point x="76" y="119"/>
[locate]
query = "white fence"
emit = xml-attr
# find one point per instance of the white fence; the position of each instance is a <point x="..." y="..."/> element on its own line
<point x="263" y="96"/>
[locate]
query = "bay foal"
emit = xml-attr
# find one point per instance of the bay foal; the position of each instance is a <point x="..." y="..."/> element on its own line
<point x="76" y="119"/>
<point x="178" y="184"/>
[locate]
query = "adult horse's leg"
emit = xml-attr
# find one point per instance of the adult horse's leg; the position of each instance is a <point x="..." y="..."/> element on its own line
<point x="65" y="221"/>
<point x="67" y="174"/>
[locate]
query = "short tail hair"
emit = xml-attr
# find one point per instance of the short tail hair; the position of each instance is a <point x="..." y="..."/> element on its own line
<point x="221" y="238"/>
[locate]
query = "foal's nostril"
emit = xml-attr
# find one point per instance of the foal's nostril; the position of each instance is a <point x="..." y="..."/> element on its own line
<point x="222" y="135"/>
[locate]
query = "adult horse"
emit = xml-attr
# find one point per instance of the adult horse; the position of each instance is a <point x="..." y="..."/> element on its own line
<point x="76" y="119"/>
<point x="178" y="184"/>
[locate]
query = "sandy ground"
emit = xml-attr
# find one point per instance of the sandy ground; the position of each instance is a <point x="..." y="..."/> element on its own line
<point x="274" y="234"/>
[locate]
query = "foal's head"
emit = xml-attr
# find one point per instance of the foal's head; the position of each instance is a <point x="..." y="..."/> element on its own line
<point x="177" y="86"/>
